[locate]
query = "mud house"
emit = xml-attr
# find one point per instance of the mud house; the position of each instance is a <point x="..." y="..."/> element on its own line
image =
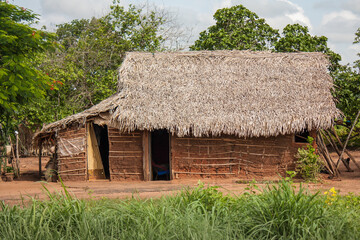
<point x="198" y="114"/>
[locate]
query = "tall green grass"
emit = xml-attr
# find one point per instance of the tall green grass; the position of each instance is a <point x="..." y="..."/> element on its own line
<point x="276" y="212"/>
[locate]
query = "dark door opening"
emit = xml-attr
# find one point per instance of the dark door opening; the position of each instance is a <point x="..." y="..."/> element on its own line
<point x="101" y="133"/>
<point x="160" y="155"/>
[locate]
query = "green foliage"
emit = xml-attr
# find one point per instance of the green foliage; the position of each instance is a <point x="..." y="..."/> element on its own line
<point x="347" y="91"/>
<point x="357" y="41"/>
<point x="20" y="80"/>
<point x="208" y="197"/>
<point x="280" y="212"/>
<point x="308" y="164"/>
<point x="93" y="49"/>
<point x="296" y="37"/>
<point x="237" y="28"/>
<point x="290" y="175"/>
<point x="276" y="212"/>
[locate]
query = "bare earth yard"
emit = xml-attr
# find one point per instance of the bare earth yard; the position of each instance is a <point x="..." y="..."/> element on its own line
<point x="30" y="186"/>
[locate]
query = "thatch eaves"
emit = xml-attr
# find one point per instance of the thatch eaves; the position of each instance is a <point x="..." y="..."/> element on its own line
<point x="225" y="92"/>
<point x="104" y="106"/>
<point x="243" y="93"/>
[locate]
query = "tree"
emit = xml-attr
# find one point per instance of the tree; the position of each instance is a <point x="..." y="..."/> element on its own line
<point x="347" y="91"/>
<point x="237" y="28"/>
<point x="20" y="80"/>
<point x="356" y="41"/>
<point x="296" y="37"/>
<point x="93" y="49"/>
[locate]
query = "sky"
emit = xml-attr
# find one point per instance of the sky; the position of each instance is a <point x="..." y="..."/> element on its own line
<point x="338" y="20"/>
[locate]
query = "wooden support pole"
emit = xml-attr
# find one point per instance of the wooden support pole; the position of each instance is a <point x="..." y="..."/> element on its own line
<point x="17" y="155"/>
<point x="341" y="145"/>
<point x="347" y="140"/>
<point x="332" y="143"/>
<point x="13" y="154"/>
<point x="73" y="170"/>
<point x="40" y="153"/>
<point x="325" y="153"/>
<point x="202" y="173"/>
<point x="146" y="163"/>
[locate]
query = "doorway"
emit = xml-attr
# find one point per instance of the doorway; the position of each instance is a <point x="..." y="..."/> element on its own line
<point x="101" y="133"/>
<point x="160" y="154"/>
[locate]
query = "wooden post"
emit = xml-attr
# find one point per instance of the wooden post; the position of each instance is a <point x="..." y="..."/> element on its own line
<point x="17" y="155"/>
<point x="332" y="143"/>
<point x="341" y="145"/>
<point x="146" y="167"/>
<point x="172" y="137"/>
<point x="13" y="165"/>
<point x="40" y="153"/>
<point x="326" y="156"/>
<point x="347" y="140"/>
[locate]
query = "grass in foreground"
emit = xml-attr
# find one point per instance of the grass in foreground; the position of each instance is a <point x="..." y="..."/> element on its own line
<point x="277" y="212"/>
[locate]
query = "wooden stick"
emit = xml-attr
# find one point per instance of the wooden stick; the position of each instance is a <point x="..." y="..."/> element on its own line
<point x="341" y="145"/>
<point x="205" y="173"/>
<point x="73" y="136"/>
<point x="332" y="163"/>
<point x="115" y="151"/>
<point x="125" y="156"/>
<point x="72" y="170"/>
<point x="231" y="144"/>
<point x="40" y="153"/>
<point x="215" y="164"/>
<point x="75" y="174"/>
<point x="347" y="139"/>
<point x="70" y="163"/>
<point x="228" y="158"/>
<point x="66" y="158"/>
<point x="17" y="156"/>
<point x="128" y="151"/>
<point x="80" y="130"/>
<point x="137" y="136"/>
<point x="326" y="156"/>
<point x="332" y="143"/>
<point x="125" y="173"/>
<point x="326" y="160"/>
<point x="206" y="158"/>
<point x="14" y="157"/>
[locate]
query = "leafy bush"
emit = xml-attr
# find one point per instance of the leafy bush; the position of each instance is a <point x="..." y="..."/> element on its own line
<point x="208" y="197"/>
<point x="308" y="163"/>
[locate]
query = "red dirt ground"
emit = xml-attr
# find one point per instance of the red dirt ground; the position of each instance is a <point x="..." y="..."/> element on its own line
<point x="31" y="186"/>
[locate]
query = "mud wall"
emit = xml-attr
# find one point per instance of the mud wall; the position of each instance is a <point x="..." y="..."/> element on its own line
<point x="125" y="155"/>
<point x="228" y="156"/>
<point x="71" y="154"/>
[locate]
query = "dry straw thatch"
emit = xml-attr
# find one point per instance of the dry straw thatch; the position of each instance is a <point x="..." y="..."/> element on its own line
<point x="242" y="93"/>
<point x="96" y="110"/>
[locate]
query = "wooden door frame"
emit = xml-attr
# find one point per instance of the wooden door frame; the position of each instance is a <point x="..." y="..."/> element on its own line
<point x="147" y="169"/>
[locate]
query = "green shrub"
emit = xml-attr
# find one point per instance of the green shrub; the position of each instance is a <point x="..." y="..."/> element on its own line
<point x="308" y="163"/>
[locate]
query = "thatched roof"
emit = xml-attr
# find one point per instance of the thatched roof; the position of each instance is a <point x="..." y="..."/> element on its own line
<point x="221" y="92"/>
<point x="95" y="111"/>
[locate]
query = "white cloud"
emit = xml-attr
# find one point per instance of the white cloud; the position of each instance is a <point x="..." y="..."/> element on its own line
<point x="60" y="11"/>
<point x="298" y="16"/>
<point x="352" y="5"/>
<point x="349" y="52"/>
<point x="340" y="26"/>
<point x="225" y="3"/>
<point x="327" y="4"/>
<point x="278" y="13"/>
